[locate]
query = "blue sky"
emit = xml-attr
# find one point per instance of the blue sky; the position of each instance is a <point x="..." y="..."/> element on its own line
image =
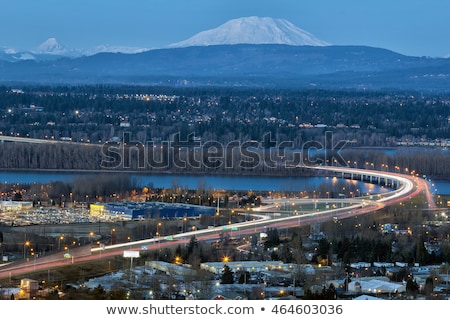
<point x="420" y="28"/>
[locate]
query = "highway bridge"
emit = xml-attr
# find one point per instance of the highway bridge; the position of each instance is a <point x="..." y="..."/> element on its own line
<point x="404" y="187"/>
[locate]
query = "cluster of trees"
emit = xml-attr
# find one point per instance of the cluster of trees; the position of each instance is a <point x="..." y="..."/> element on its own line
<point x="348" y="250"/>
<point x="228" y="117"/>
<point x="226" y="114"/>
<point x="325" y="294"/>
<point x="433" y="163"/>
<point x="64" y="156"/>
<point x="84" y="188"/>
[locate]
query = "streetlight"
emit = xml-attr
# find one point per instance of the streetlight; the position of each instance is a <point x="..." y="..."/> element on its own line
<point x="157" y="228"/>
<point x="216" y="214"/>
<point x="217" y="210"/>
<point x="112" y="230"/>
<point x="185" y="222"/>
<point x="159" y="240"/>
<point x="26" y="244"/>
<point x="61" y="237"/>
<point x="231" y="216"/>
<point x="87" y="203"/>
<point x="35" y="256"/>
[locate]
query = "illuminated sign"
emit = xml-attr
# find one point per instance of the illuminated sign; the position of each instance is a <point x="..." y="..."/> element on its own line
<point x="131" y="254"/>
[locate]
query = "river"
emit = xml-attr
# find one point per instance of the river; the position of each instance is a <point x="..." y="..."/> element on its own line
<point x="211" y="182"/>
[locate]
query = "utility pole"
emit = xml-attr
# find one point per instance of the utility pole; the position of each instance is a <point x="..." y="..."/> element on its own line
<point x="217" y="210"/>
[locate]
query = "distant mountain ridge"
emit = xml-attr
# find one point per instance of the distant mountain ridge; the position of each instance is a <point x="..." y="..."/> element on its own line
<point x="51" y="49"/>
<point x="247" y="30"/>
<point x="242" y="65"/>
<point x="249" y="51"/>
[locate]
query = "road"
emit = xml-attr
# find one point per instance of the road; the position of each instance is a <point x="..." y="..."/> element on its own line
<point x="43" y="141"/>
<point x="262" y="218"/>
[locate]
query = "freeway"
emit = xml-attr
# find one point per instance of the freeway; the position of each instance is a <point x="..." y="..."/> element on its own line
<point x="4" y="138"/>
<point x="264" y="217"/>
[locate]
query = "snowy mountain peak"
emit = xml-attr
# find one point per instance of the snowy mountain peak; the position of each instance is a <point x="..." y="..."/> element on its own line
<point x="253" y="30"/>
<point x="50" y="46"/>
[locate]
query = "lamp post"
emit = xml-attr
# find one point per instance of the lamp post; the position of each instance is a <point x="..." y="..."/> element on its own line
<point x="26" y="244"/>
<point x="35" y="256"/>
<point x="217" y="211"/>
<point x="159" y="224"/>
<point x="184" y="224"/>
<point x="112" y="230"/>
<point x="157" y="228"/>
<point x="216" y="215"/>
<point x="61" y="237"/>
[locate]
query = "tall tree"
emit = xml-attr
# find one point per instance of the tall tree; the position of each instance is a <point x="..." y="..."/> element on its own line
<point x="273" y="238"/>
<point x="227" y="275"/>
<point x="412" y="288"/>
<point x="421" y="252"/>
<point x="429" y="286"/>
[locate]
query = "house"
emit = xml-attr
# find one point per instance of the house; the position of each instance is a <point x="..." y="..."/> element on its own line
<point x="379" y="285"/>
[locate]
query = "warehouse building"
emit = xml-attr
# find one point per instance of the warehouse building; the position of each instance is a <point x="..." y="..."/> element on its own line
<point x="10" y="205"/>
<point x="143" y="210"/>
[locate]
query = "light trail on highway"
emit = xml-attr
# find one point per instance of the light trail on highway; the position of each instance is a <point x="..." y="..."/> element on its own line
<point x="262" y="218"/>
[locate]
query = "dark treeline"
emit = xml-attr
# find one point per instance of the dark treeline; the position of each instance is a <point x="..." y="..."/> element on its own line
<point x="97" y="113"/>
<point x="433" y="163"/>
<point x="84" y="188"/>
<point x="289" y="119"/>
<point x="73" y="157"/>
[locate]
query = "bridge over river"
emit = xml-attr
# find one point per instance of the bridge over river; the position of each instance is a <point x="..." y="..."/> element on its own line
<point x="402" y="187"/>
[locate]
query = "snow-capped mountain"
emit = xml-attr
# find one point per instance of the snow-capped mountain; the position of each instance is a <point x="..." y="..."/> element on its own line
<point x="48" y="50"/>
<point x="253" y="30"/>
<point x="13" y="55"/>
<point x="53" y="47"/>
<point x="247" y="30"/>
<point x="113" y="49"/>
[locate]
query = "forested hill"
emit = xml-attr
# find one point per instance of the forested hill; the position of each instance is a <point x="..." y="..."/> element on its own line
<point x="86" y="120"/>
<point x="267" y="66"/>
<point x="98" y="113"/>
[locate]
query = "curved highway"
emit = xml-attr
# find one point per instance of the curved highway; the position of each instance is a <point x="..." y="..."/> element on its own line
<point x="264" y="217"/>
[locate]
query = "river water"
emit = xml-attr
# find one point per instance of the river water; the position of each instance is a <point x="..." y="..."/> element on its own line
<point x="211" y="182"/>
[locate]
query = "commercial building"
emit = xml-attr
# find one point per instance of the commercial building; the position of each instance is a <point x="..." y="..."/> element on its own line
<point x="256" y="266"/>
<point x="28" y="288"/>
<point x="379" y="285"/>
<point x="154" y="210"/>
<point x="15" y="205"/>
